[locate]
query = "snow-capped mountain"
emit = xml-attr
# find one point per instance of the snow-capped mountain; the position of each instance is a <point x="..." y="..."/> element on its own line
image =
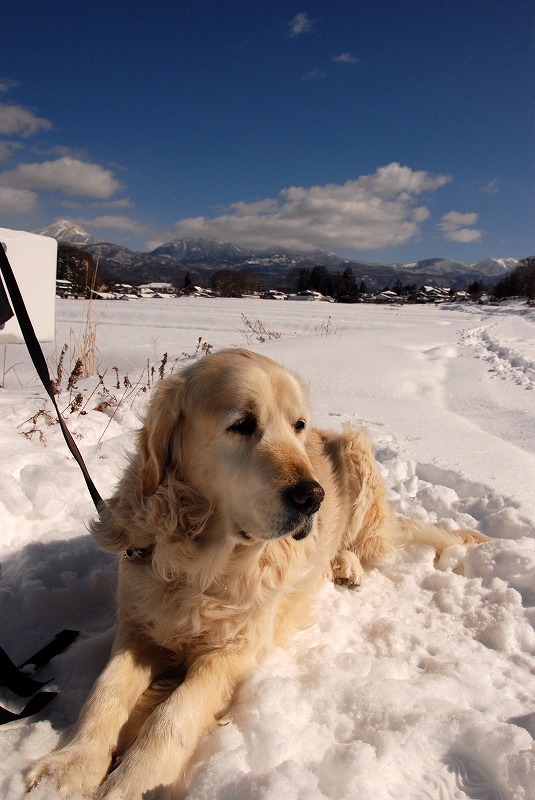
<point x="201" y="250"/>
<point x="495" y="266"/>
<point x="170" y="261"/>
<point x="490" y="267"/>
<point x="67" y="232"/>
<point x="433" y="266"/>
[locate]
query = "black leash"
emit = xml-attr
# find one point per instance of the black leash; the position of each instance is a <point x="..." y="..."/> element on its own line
<point x="21" y="684"/>
<point x="36" y="353"/>
<point x="36" y="704"/>
<point x="11" y="676"/>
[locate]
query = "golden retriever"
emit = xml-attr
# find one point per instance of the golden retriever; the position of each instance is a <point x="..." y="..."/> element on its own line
<point x="229" y="516"/>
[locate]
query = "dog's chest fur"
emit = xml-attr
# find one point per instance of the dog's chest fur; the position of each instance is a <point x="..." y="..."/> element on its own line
<point x="242" y="602"/>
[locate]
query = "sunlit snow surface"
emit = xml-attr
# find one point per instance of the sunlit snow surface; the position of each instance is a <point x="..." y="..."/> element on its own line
<point x="421" y="684"/>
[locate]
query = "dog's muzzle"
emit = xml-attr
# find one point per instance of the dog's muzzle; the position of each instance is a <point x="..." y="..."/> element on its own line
<point x="301" y="501"/>
<point x="306" y="497"/>
<point x="304" y="500"/>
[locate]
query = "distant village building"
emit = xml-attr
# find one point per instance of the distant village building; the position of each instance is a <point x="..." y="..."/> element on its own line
<point x="308" y="294"/>
<point x="198" y="291"/>
<point x="152" y="288"/>
<point x="386" y="297"/>
<point x="63" y="287"/>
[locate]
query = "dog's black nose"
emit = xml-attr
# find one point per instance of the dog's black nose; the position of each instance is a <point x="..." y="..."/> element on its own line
<point x="306" y="496"/>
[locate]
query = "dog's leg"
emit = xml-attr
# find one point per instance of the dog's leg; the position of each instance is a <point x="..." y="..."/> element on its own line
<point x="368" y="514"/>
<point x="81" y="764"/>
<point x="161" y="752"/>
<point x="373" y="529"/>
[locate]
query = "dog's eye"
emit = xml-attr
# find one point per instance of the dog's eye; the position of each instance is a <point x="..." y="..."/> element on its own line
<point x="245" y="426"/>
<point x="300" y="425"/>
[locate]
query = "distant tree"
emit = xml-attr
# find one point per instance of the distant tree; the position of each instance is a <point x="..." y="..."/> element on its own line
<point x="528" y="276"/>
<point x="223" y="283"/>
<point x="349" y="284"/>
<point x="398" y="287"/>
<point x="249" y="282"/>
<point x="303" y="279"/>
<point x="292" y="278"/>
<point x="338" y="285"/>
<point x="320" y="279"/>
<point x="476" y="289"/>
<point x="520" y="282"/>
<point x="78" y="267"/>
<point x="343" y="286"/>
<point x="230" y="283"/>
<point x="187" y="280"/>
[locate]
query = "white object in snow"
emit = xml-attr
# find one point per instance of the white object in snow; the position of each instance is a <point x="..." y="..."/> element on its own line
<point x="33" y="259"/>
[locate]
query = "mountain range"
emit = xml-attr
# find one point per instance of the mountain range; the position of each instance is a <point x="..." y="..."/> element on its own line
<point x="200" y="257"/>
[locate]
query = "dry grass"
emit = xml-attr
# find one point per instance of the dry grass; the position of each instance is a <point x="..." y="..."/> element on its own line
<point x="257" y="331"/>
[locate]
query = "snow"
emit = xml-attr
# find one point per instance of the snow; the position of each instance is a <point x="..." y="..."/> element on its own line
<point x="419" y="685"/>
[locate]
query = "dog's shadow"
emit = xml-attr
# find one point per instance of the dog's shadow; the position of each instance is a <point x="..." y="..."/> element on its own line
<point x="47" y="587"/>
<point x="69" y="584"/>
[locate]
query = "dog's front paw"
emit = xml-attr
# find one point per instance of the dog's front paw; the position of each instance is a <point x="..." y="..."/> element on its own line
<point x="72" y="769"/>
<point x="123" y="786"/>
<point x="347" y="569"/>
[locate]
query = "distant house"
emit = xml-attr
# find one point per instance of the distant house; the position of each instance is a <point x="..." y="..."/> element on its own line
<point x="461" y="296"/>
<point x="102" y="295"/>
<point x="150" y="288"/>
<point x="273" y="294"/>
<point x="308" y="294"/>
<point x="436" y="294"/>
<point x="63" y="287"/>
<point x="198" y="291"/>
<point x="430" y="294"/>
<point x="386" y="297"/>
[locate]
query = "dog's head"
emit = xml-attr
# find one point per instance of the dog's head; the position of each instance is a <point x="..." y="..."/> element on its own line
<point x="233" y="427"/>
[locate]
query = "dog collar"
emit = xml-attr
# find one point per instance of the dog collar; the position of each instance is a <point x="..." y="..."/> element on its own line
<point x="139" y="553"/>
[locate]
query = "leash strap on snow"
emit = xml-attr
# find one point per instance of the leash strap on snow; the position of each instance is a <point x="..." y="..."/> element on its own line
<point x="23" y="685"/>
<point x="34" y="706"/>
<point x="36" y="353"/>
<point x="17" y="680"/>
<point x="12" y="677"/>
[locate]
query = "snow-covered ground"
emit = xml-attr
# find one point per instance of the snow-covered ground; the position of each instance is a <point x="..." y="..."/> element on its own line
<point x="421" y="684"/>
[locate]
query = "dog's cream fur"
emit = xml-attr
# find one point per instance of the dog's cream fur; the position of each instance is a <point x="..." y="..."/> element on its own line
<point x="224" y="492"/>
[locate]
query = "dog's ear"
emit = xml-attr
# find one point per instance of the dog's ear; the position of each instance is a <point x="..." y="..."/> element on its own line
<point x="159" y="439"/>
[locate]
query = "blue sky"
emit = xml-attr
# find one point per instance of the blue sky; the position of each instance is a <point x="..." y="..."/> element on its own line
<point x="378" y="129"/>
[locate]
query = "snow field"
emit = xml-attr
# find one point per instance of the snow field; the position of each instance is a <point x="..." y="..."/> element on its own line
<point x="419" y="685"/>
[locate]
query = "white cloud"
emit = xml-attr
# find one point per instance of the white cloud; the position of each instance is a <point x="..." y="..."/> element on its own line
<point x="16" y="201"/>
<point x="492" y="187"/>
<point x="16" y="119"/>
<point x="346" y="58"/>
<point x="68" y="175"/>
<point x="373" y="211"/>
<point x="314" y="74"/>
<point x="301" y="23"/>
<point x="458" y="227"/>
<point x="6" y="84"/>
<point x="7" y="149"/>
